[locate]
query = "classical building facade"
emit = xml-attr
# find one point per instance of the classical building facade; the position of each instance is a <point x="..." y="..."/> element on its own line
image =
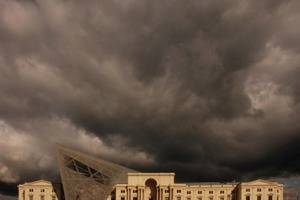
<point x="40" y="190"/>
<point x="161" y="186"/>
<point x="85" y="177"/>
<point x="260" y="190"/>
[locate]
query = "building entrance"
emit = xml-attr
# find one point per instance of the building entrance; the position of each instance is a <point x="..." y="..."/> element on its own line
<point x="150" y="190"/>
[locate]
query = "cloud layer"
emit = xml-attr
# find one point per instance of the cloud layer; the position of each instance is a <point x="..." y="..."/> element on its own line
<point x="207" y="90"/>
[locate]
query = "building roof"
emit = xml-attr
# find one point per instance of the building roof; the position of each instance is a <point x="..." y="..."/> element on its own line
<point x="88" y="177"/>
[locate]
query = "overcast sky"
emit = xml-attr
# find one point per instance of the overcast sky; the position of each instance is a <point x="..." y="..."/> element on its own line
<point x="207" y="89"/>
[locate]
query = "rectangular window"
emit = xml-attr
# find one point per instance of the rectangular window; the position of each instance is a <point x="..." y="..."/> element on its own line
<point x="270" y="190"/>
<point x="258" y="190"/>
<point x="270" y="197"/>
<point x="134" y="198"/>
<point x="122" y="191"/>
<point x="247" y="190"/>
<point x="222" y="192"/>
<point x="199" y="192"/>
<point x="167" y="191"/>
<point x="30" y="197"/>
<point x="258" y="197"/>
<point x="247" y="197"/>
<point x="42" y="190"/>
<point x="178" y="198"/>
<point x="188" y="192"/>
<point x="122" y="198"/>
<point x="210" y="192"/>
<point x="178" y="191"/>
<point x="134" y="191"/>
<point x="30" y="190"/>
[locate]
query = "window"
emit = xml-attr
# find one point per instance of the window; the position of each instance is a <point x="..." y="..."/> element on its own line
<point x="277" y="191"/>
<point x="42" y="197"/>
<point x="178" y="191"/>
<point x="247" y="190"/>
<point x="30" y="197"/>
<point x="258" y="197"/>
<point x="122" y="191"/>
<point x="122" y="198"/>
<point x="134" y="198"/>
<point x="188" y="192"/>
<point x="167" y="191"/>
<point x="134" y="191"/>
<point x="199" y="192"/>
<point x="222" y="192"/>
<point x="210" y="192"/>
<point x="270" y="197"/>
<point x="270" y="190"/>
<point x="30" y="190"/>
<point x="42" y="190"/>
<point x="178" y="198"/>
<point x="258" y="190"/>
<point x="248" y="197"/>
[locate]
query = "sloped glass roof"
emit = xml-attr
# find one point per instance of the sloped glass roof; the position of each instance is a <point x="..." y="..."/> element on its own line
<point x="86" y="177"/>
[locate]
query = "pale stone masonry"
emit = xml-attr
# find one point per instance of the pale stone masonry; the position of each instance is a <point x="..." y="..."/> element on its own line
<point x="85" y="177"/>
<point x="161" y="186"/>
<point x="40" y="190"/>
<point x="260" y="190"/>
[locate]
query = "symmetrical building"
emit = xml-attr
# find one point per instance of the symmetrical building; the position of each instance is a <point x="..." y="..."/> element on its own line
<point x="85" y="177"/>
<point x="161" y="186"/>
<point x="40" y="190"/>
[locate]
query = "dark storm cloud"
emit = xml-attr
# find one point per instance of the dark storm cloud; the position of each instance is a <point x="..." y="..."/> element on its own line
<point x="206" y="89"/>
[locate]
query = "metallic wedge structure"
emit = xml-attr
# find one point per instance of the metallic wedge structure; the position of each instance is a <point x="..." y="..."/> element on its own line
<point x="86" y="177"/>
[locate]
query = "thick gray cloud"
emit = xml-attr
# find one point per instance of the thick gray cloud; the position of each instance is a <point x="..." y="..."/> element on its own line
<point x="206" y="89"/>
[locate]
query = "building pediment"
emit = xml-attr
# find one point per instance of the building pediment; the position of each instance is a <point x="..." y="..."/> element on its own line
<point x="260" y="182"/>
<point x="38" y="183"/>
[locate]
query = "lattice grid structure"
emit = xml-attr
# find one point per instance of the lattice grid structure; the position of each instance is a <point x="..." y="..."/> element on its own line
<point x="86" y="177"/>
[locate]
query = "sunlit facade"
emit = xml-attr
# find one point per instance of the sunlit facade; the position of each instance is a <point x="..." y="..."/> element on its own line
<point x="260" y="190"/>
<point x="40" y="190"/>
<point x="85" y="177"/>
<point x="161" y="186"/>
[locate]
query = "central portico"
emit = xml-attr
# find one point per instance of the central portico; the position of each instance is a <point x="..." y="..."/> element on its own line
<point x="148" y="186"/>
